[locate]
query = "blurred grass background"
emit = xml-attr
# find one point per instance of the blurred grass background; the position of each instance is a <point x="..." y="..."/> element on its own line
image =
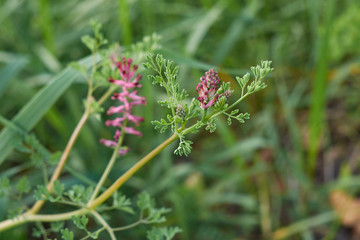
<point x="269" y="178"/>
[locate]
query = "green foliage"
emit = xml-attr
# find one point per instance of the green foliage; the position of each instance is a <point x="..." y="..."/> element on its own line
<point x="79" y="194"/>
<point x="164" y="233"/>
<point x="240" y="117"/>
<point x="56" y="226"/>
<point x="122" y="203"/>
<point x="93" y="43"/>
<point x="184" y="147"/>
<point x="4" y="186"/>
<point x="42" y="193"/>
<point x="23" y="185"/>
<point x="167" y="78"/>
<point x="148" y="44"/>
<point x="181" y="113"/>
<point x="66" y="234"/>
<point x="147" y="206"/>
<point x="36" y="232"/>
<point x="345" y="34"/>
<point x="81" y="223"/>
<point x="211" y="125"/>
<point x="163" y="124"/>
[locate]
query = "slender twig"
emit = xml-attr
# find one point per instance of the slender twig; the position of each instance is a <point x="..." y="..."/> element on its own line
<point x="105" y="224"/>
<point x="121" y="180"/>
<point x="107" y="94"/>
<point x="28" y="217"/>
<point x="110" y="164"/>
<point x="97" y="231"/>
<point x="141" y="221"/>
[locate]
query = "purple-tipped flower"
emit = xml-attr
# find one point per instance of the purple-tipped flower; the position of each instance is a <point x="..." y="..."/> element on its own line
<point x="207" y="89"/>
<point x="128" y="98"/>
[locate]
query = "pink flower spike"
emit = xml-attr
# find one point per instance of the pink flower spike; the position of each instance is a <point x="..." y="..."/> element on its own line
<point x="131" y="130"/>
<point x="129" y="98"/>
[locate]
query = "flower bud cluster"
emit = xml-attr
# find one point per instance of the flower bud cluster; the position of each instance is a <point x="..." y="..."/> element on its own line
<point x="208" y="89"/>
<point x="180" y="112"/>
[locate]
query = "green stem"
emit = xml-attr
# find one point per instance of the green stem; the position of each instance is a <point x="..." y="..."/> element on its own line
<point x="110" y="164"/>
<point x="121" y="180"/>
<point x="105" y="224"/>
<point x="166" y="85"/>
<point x="125" y="22"/>
<point x="28" y="217"/>
<point x="212" y="115"/>
<point x="141" y="221"/>
<point x="203" y="119"/>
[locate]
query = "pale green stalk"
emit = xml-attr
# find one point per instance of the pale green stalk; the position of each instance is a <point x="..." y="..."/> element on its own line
<point x="110" y="164"/>
<point x="121" y="180"/>
<point x="105" y="224"/>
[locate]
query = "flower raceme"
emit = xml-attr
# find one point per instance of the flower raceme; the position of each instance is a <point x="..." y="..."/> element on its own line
<point x="129" y="98"/>
<point x="208" y="89"/>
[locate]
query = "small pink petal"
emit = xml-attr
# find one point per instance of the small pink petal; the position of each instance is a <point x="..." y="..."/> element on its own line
<point x="117" y="135"/>
<point x="120" y="96"/>
<point x="124" y="151"/>
<point x="140" y="102"/>
<point x="116" y="122"/>
<point x="131" y="130"/>
<point x="133" y="95"/>
<point x="108" y="143"/>
<point x="118" y="109"/>
<point x="134" y="119"/>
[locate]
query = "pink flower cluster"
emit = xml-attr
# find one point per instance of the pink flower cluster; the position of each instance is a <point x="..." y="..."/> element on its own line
<point x="129" y="98"/>
<point x="207" y="89"/>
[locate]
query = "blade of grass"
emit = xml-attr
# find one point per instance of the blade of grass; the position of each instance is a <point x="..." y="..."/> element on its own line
<point x="196" y="64"/>
<point x="202" y="27"/>
<point x="304" y="225"/>
<point x="244" y="148"/>
<point x="35" y="109"/>
<point x="124" y="21"/>
<point x="206" y="4"/>
<point x="147" y="13"/>
<point x="234" y="31"/>
<point x="289" y="103"/>
<point x="8" y="72"/>
<point x="46" y="24"/>
<point x="318" y="100"/>
<point x="8" y="7"/>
